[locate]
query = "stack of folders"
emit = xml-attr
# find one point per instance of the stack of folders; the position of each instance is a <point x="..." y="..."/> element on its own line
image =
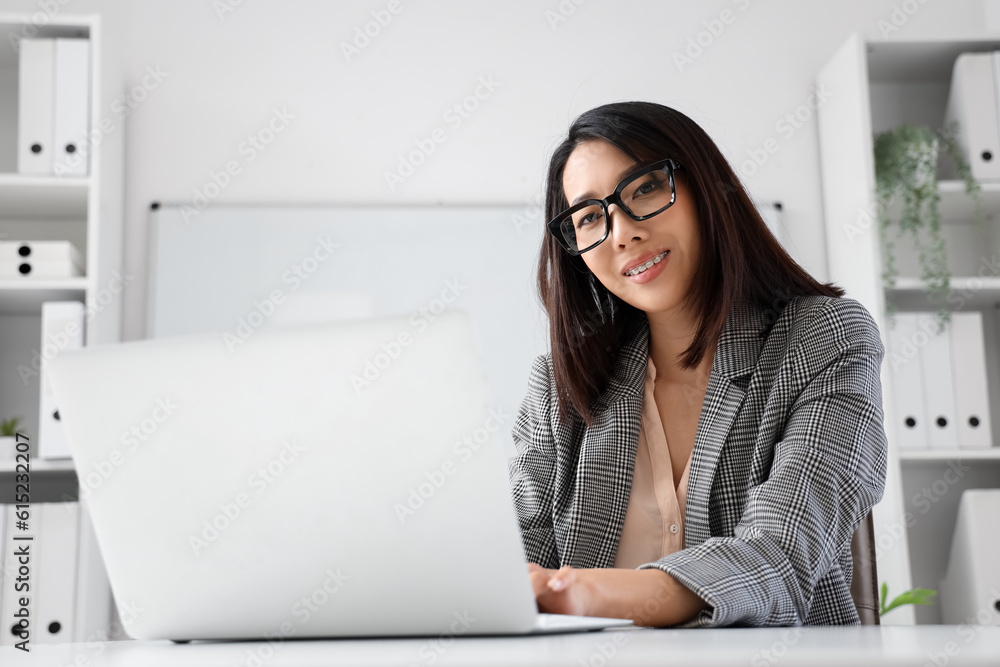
<point x="939" y="382"/>
<point x="62" y="329"/>
<point x="49" y="589"/>
<point x="53" y="106"/>
<point x="40" y="259"/>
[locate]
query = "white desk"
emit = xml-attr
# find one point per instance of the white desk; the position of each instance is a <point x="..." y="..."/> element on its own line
<point x="757" y="647"/>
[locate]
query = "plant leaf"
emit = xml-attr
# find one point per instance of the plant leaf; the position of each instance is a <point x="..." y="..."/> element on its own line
<point x="915" y="596"/>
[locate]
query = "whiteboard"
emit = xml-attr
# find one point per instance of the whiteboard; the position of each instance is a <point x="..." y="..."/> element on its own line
<point x="240" y="269"/>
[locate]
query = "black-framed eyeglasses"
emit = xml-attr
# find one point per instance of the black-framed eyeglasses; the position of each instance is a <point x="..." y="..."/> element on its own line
<point x="643" y="194"/>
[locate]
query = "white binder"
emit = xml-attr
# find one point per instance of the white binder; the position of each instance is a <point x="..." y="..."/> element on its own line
<point x="972" y="403"/>
<point x="907" y="382"/>
<point x="972" y="104"/>
<point x="939" y="392"/>
<point x="970" y="590"/>
<point x="36" y="83"/>
<point x="72" y="76"/>
<point x="62" y="329"/>
<point x="55" y="571"/>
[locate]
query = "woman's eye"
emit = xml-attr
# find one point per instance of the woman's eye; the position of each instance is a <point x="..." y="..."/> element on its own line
<point x="646" y="188"/>
<point x="588" y="219"/>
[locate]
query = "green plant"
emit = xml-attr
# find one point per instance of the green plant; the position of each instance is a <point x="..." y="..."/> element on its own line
<point x="8" y="427"/>
<point x="906" y="167"/>
<point x="912" y="596"/>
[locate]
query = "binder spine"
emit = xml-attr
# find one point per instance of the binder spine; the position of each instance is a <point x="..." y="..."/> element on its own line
<point x="36" y="83"/>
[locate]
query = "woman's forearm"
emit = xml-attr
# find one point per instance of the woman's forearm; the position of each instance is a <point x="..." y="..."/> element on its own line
<point x="649" y="597"/>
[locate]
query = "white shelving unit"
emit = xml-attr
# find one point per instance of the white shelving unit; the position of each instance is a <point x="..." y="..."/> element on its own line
<point x="88" y="212"/>
<point x="877" y="86"/>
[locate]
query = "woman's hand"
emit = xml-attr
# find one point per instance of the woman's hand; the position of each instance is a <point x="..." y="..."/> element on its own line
<point x="649" y="597"/>
<point x="562" y="591"/>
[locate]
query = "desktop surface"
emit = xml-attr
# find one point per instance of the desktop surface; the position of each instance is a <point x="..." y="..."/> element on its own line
<point x="816" y="646"/>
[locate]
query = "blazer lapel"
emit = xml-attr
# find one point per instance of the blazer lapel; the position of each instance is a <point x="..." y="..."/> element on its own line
<point x="735" y="359"/>
<point x="603" y="482"/>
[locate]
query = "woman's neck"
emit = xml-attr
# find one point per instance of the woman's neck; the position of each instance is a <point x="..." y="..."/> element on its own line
<point x="670" y="334"/>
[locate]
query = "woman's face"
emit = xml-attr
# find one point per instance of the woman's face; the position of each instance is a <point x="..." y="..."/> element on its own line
<point x="596" y="167"/>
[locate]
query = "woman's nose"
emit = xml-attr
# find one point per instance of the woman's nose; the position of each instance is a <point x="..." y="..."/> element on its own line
<point x="623" y="228"/>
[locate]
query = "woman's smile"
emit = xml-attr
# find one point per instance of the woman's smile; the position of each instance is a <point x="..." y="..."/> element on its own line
<point x="644" y="271"/>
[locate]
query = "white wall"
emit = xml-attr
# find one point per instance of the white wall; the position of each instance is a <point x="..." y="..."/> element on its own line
<point x="223" y="74"/>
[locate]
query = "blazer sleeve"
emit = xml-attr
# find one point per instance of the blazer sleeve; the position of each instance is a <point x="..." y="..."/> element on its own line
<point x="532" y="471"/>
<point x="827" y="471"/>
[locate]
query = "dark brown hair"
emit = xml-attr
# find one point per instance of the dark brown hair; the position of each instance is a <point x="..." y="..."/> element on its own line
<point x="740" y="259"/>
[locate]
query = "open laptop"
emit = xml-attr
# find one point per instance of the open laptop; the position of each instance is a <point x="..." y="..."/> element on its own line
<point x="333" y="480"/>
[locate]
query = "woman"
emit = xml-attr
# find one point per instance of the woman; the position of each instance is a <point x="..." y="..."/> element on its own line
<point x="706" y="433"/>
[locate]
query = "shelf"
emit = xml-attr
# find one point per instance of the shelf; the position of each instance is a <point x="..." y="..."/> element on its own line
<point x="86" y="211"/>
<point x="958" y="207"/>
<point x="23" y="196"/>
<point x="26" y="296"/>
<point x="881" y="85"/>
<point x="938" y="455"/>
<point x="39" y="465"/>
<point x="13" y="26"/>
<point x="969" y="292"/>
<point x="895" y="61"/>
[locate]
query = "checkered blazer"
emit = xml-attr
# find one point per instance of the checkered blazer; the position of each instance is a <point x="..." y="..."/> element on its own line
<point x="789" y="456"/>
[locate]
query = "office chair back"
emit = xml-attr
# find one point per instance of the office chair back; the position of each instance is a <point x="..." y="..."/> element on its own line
<point x="864" y="583"/>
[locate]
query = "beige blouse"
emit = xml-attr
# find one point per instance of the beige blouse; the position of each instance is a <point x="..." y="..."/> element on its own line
<point x="654" y="520"/>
